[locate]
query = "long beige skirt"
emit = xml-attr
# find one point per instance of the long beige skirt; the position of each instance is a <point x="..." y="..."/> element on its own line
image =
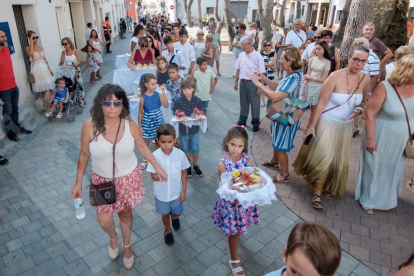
<point x="324" y="162"/>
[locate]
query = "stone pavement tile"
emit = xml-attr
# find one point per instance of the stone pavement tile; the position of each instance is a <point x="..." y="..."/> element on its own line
<point x="360" y="230"/>
<point x="18" y="267"/>
<point x="73" y="255"/>
<point x="217" y="269"/>
<point x="211" y="237"/>
<point x="110" y="266"/>
<point x="51" y="266"/>
<point x="253" y="245"/>
<point x="211" y="255"/>
<point x="254" y="266"/>
<point x="14" y="244"/>
<point x="57" y="249"/>
<point x="390" y="249"/>
<point x="37" y="246"/>
<point x="350" y="238"/>
<point x="186" y="254"/>
<point x="362" y="270"/>
<point x="379" y="258"/>
<point x="359" y="252"/>
<point x="348" y="264"/>
<point x="168" y="265"/>
<point x="273" y="250"/>
<point x="32" y="237"/>
<point x="76" y="268"/>
<point x="96" y="257"/>
<point x="13" y="257"/>
<point x="41" y="257"/>
<point x="194" y="267"/>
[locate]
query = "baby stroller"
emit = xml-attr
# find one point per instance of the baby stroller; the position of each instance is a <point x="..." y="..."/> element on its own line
<point x="73" y="80"/>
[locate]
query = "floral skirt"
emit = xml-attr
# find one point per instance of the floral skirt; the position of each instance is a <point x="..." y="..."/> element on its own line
<point x="129" y="191"/>
<point x="232" y="218"/>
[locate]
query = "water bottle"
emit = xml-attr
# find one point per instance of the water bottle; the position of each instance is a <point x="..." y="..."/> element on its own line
<point x="80" y="210"/>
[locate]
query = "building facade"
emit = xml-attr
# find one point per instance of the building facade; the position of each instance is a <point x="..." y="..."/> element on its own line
<point x="52" y="20"/>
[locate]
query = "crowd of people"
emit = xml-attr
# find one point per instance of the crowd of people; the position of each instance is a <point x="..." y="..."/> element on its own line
<point x="301" y="64"/>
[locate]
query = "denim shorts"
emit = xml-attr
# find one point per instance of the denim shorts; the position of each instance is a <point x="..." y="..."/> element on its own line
<point x="163" y="208"/>
<point x="190" y="142"/>
<point x="205" y="104"/>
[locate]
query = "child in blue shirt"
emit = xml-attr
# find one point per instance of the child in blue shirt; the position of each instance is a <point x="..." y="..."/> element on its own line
<point x="59" y="97"/>
<point x="174" y="83"/>
<point x="312" y="249"/>
<point x="189" y="136"/>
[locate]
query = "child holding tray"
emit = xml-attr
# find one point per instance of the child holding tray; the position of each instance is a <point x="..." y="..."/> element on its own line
<point x="232" y="217"/>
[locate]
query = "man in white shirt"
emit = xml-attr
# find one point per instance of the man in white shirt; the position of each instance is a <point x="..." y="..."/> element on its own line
<point x="248" y="63"/>
<point x="187" y="50"/>
<point x="88" y="31"/>
<point x="296" y="37"/>
<point x="173" y="55"/>
<point x="169" y="195"/>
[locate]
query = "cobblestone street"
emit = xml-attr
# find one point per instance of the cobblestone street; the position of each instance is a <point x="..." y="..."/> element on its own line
<point x="40" y="234"/>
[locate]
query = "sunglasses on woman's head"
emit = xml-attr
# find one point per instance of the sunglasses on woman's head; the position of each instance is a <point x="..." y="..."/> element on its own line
<point x="108" y="103"/>
<point x="64" y="44"/>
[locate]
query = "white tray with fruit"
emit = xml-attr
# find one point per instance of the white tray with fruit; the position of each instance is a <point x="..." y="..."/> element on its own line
<point x="250" y="186"/>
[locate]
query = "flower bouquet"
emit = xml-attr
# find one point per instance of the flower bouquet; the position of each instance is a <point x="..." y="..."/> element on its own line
<point x="197" y="114"/>
<point x="245" y="181"/>
<point x="180" y="115"/>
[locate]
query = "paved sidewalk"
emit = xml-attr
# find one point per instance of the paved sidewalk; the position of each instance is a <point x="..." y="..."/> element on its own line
<point x="382" y="241"/>
<point x="40" y="234"/>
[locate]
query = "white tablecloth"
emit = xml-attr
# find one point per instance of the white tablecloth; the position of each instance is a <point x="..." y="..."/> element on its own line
<point x="126" y="78"/>
<point x="189" y="122"/>
<point x="134" y="110"/>
<point x="121" y="61"/>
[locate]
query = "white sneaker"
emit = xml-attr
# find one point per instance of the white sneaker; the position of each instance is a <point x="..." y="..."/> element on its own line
<point x="48" y="114"/>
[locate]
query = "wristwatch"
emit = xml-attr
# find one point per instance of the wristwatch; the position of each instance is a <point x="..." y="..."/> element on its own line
<point x="260" y="85"/>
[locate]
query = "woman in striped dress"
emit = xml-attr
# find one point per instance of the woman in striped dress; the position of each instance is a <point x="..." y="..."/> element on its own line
<point x="150" y="115"/>
<point x="283" y="136"/>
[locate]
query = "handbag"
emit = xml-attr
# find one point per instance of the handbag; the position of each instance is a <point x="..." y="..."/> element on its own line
<point x="288" y="110"/>
<point x="409" y="148"/>
<point x="30" y="76"/>
<point x="104" y="194"/>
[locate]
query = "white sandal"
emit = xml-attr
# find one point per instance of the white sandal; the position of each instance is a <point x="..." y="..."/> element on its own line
<point x="113" y="253"/>
<point x="128" y="263"/>
<point x="236" y="270"/>
<point x="60" y="114"/>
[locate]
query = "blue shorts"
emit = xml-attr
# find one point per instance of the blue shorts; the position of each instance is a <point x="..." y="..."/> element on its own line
<point x="190" y="143"/>
<point x="163" y="208"/>
<point x="205" y="104"/>
<point x="58" y="100"/>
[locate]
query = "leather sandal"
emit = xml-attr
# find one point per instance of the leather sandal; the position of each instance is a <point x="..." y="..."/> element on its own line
<point x="316" y="201"/>
<point x="238" y="271"/>
<point x="327" y="194"/>
<point x="271" y="165"/>
<point x="286" y="178"/>
<point x="128" y="262"/>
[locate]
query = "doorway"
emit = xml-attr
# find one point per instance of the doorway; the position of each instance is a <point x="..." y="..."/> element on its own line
<point x="21" y="30"/>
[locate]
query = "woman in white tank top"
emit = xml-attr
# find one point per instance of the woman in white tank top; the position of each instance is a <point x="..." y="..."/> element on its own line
<point x="324" y="162"/>
<point x="69" y="60"/>
<point x="110" y="112"/>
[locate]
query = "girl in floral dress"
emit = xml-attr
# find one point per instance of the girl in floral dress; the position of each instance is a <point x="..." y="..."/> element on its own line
<point x="231" y="217"/>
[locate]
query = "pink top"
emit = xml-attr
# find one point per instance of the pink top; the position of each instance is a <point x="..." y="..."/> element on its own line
<point x="249" y="64"/>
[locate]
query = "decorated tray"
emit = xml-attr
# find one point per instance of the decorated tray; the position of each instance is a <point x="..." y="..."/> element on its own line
<point x="249" y="186"/>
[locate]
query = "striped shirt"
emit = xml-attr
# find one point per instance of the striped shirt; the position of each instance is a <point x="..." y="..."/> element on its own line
<point x="372" y="66"/>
